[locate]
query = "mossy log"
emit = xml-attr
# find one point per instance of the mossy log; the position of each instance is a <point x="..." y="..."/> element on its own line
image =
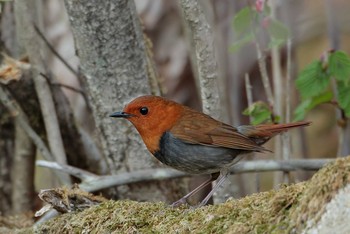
<point x="289" y="209"/>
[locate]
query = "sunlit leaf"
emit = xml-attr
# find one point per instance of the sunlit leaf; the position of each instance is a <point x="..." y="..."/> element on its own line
<point x="339" y="65"/>
<point x="242" y="22"/>
<point x="278" y="32"/>
<point x="311" y="103"/>
<point x="344" y="96"/>
<point x="312" y="81"/>
<point x="240" y="43"/>
<point x="259" y="111"/>
<point x="301" y="110"/>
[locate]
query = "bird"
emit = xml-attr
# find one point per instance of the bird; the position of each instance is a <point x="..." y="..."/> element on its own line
<point x="193" y="142"/>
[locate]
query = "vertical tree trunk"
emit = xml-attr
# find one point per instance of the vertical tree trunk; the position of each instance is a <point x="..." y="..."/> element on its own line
<point x="23" y="172"/>
<point x="110" y="45"/>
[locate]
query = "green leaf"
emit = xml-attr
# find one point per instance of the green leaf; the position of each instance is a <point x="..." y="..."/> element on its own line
<point x="242" y="22"/>
<point x="311" y="103"/>
<point x="259" y="111"/>
<point x="276" y="43"/>
<point x="312" y="81"/>
<point x="278" y="32"/>
<point x="339" y="65"/>
<point x="240" y="43"/>
<point x="344" y="96"/>
<point x="301" y="110"/>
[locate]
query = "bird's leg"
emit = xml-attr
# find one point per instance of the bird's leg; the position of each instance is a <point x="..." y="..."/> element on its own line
<point x="183" y="200"/>
<point x="220" y="180"/>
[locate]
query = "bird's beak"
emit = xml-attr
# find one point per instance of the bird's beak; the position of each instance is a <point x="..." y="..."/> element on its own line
<point x="120" y="114"/>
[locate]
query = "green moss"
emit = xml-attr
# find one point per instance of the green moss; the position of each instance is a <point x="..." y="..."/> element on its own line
<point x="323" y="186"/>
<point x="278" y="211"/>
<point x="256" y="213"/>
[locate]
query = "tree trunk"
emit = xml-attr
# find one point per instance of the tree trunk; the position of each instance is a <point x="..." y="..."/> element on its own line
<point x="110" y="45"/>
<point x="23" y="172"/>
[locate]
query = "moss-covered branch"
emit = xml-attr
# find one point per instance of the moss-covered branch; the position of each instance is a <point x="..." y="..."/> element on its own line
<point x="276" y="211"/>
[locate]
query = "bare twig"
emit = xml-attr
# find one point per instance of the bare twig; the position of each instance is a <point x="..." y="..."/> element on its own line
<point x="67" y="87"/>
<point x="288" y="81"/>
<point x="52" y="49"/>
<point x="278" y="99"/>
<point x="286" y="135"/>
<point x="264" y="75"/>
<point x="262" y="67"/>
<point x="16" y="111"/>
<point x="276" y="69"/>
<point x="74" y="171"/>
<point x="63" y="85"/>
<point x="70" y="68"/>
<point x="25" y="14"/>
<point x="96" y="183"/>
<point x="249" y="90"/>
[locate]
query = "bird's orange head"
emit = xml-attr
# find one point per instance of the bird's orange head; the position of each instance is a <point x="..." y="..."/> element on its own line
<point x="152" y="116"/>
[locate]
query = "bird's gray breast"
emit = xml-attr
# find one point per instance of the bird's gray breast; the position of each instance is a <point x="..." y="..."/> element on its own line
<point x="194" y="158"/>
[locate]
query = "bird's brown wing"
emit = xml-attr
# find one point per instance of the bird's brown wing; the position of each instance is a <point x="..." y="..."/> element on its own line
<point x="198" y="128"/>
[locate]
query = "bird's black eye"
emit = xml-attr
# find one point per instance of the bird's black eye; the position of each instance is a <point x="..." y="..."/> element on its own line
<point x="144" y="110"/>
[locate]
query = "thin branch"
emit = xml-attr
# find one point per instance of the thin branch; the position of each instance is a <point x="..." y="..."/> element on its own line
<point x="53" y="50"/>
<point x="277" y="95"/>
<point x="264" y="75"/>
<point x="262" y="67"/>
<point x="9" y="102"/>
<point x="77" y="90"/>
<point x="70" y="68"/>
<point x="286" y="135"/>
<point x="67" y="87"/>
<point x="12" y="106"/>
<point x="276" y="69"/>
<point x="95" y="183"/>
<point x="249" y="91"/>
<point x="74" y="171"/>
<point x="25" y="14"/>
<point x="288" y="81"/>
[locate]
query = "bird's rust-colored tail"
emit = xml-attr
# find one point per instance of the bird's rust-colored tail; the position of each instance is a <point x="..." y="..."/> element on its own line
<point x="278" y="128"/>
<point x="264" y="132"/>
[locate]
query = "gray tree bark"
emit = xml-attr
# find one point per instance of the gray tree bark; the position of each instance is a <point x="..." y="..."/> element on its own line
<point x="110" y="45"/>
<point x="204" y="64"/>
<point x="23" y="172"/>
<point x="203" y="58"/>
